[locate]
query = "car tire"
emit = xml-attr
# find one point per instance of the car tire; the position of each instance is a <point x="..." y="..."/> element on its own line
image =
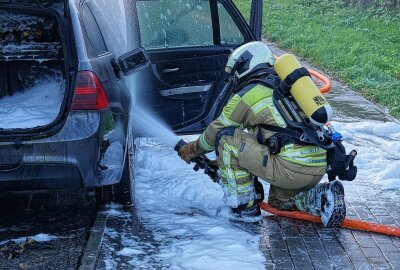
<point x="104" y="195"/>
<point x="122" y="192"/>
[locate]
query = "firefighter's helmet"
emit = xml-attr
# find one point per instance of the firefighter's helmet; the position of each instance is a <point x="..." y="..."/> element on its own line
<point x="248" y="58"/>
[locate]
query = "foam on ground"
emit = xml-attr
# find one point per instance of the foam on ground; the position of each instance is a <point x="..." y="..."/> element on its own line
<point x="378" y="146"/>
<point x="179" y="206"/>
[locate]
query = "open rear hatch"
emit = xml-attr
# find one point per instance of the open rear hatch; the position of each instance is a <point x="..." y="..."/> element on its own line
<point x="33" y="62"/>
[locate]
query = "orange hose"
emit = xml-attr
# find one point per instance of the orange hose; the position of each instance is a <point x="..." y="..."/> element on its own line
<point x="348" y="223"/>
<point x="328" y="84"/>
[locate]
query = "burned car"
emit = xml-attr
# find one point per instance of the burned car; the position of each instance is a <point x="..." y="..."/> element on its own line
<point x="72" y="72"/>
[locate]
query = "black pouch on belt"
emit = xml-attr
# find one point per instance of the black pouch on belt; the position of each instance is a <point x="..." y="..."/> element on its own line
<point x="274" y="144"/>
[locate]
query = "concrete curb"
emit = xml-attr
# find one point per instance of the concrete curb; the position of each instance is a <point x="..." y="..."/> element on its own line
<point x="92" y="249"/>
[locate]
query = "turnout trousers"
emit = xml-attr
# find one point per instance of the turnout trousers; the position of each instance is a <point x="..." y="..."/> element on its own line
<point x="240" y="157"/>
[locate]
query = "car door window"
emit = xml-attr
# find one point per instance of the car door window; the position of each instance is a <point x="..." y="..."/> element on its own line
<point x="230" y="33"/>
<point x="174" y="23"/>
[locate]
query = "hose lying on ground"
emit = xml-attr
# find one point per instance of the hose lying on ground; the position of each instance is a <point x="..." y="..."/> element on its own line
<point x="348" y="223"/>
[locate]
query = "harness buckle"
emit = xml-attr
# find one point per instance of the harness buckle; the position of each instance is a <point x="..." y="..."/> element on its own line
<point x="303" y="137"/>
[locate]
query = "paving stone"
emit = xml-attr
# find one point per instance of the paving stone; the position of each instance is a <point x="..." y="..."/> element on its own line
<point x="284" y="264"/>
<point x="313" y="245"/>
<point x="372" y="252"/>
<point x="279" y="255"/>
<point x="393" y="257"/>
<point x="270" y="265"/>
<point x="380" y="238"/>
<point x="364" y="239"/>
<point x="378" y="262"/>
<point x="379" y="212"/>
<point x="301" y="262"/>
<point x="364" y="265"/>
<point x="332" y="247"/>
<point x="279" y="245"/>
<point x="389" y="247"/>
<point x="360" y="263"/>
<point x="319" y="259"/>
<point x="341" y="262"/>
<point x="291" y="233"/>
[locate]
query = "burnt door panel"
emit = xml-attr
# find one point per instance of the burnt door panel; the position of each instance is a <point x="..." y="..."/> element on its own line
<point x="185" y="81"/>
<point x="188" y="43"/>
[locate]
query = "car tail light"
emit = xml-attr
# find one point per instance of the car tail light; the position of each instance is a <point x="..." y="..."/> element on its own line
<point x="89" y="94"/>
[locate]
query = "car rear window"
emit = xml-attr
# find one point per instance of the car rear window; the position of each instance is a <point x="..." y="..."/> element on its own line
<point x="175" y="23"/>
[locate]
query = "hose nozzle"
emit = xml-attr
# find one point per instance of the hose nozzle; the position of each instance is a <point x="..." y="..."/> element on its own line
<point x="179" y="145"/>
<point x="200" y="163"/>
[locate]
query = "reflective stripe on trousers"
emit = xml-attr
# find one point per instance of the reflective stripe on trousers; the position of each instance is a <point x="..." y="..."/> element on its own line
<point x="237" y="184"/>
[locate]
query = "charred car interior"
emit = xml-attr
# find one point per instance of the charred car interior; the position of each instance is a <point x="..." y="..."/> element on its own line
<point x="32" y="67"/>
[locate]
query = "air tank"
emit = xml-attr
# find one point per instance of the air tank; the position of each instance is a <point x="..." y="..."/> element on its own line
<point x="305" y="92"/>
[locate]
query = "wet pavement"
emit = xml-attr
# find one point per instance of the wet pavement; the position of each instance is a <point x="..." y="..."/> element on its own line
<point x="44" y="230"/>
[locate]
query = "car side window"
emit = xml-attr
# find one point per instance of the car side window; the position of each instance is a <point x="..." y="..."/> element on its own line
<point x="93" y="32"/>
<point x="174" y="23"/>
<point x="230" y="33"/>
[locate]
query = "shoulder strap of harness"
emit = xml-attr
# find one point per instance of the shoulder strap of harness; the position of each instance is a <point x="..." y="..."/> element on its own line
<point x="270" y="81"/>
<point x="307" y="137"/>
<point x="291" y="133"/>
<point x="290" y="79"/>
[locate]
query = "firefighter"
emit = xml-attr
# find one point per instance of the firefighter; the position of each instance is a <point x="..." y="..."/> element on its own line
<point x="293" y="174"/>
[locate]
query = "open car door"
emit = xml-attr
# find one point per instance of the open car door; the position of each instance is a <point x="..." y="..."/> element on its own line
<point x="185" y="45"/>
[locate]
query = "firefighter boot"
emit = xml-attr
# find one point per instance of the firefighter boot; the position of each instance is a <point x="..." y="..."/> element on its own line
<point x="248" y="213"/>
<point x="325" y="200"/>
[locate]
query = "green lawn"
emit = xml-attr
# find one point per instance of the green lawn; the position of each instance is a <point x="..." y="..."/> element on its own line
<point x="359" y="47"/>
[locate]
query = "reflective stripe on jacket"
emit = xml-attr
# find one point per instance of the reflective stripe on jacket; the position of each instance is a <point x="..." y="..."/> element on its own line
<point x="249" y="108"/>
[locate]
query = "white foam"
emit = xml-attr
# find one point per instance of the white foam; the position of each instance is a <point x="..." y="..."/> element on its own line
<point x="129" y="252"/>
<point x="180" y="207"/>
<point x="37" y="106"/>
<point x="378" y="146"/>
<point x="41" y="237"/>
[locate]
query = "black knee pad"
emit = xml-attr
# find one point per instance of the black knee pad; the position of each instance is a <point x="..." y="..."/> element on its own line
<point x="229" y="131"/>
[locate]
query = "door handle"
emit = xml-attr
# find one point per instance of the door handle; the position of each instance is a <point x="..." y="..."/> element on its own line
<point x="170" y="70"/>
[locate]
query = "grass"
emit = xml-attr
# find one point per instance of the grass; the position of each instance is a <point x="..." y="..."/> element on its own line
<point x="359" y="47"/>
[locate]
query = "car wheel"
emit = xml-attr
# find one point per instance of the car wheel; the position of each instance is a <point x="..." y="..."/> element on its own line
<point x="124" y="190"/>
<point x="104" y="195"/>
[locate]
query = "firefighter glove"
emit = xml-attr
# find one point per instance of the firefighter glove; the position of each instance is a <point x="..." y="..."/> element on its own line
<point x="213" y="164"/>
<point x="340" y="164"/>
<point x="189" y="151"/>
